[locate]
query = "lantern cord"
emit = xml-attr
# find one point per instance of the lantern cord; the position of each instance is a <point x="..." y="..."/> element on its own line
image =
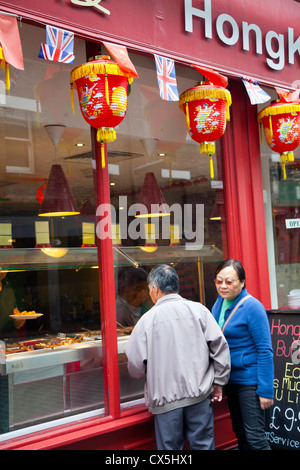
<point x="102" y="155"/>
<point x="212" y="175"/>
<point x="187" y="116"/>
<point x="106" y="90"/>
<point x="72" y="99"/>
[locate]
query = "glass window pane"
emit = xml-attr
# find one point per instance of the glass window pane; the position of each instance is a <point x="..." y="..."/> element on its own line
<point x="153" y="145"/>
<point x="53" y="367"/>
<point x="282" y="218"/>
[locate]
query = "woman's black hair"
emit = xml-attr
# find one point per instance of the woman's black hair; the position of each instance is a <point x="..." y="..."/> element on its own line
<point x="237" y="265"/>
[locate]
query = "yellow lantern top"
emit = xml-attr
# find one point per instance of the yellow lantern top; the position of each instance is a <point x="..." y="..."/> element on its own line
<point x="103" y="66"/>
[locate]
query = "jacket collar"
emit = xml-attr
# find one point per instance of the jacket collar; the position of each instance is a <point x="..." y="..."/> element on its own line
<point x="168" y="298"/>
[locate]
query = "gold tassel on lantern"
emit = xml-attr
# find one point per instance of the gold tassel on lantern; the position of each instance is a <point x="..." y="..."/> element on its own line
<point x="270" y="125"/>
<point x="286" y="157"/>
<point x="7" y="77"/>
<point x="207" y="147"/>
<point x="212" y="174"/>
<point x="102" y="154"/>
<point x="227" y="110"/>
<point x="107" y="134"/>
<point x="106" y="90"/>
<point x="72" y="98"/>
<point x="187" y="116"/>
<point x="4" y="64"/>
<point x="283" y="170"/>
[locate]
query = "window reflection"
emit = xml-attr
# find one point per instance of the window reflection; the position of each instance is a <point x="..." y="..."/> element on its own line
<point x="153" y="140"/>
<point x="282" y="209"/>
<point x="46" y="262"/>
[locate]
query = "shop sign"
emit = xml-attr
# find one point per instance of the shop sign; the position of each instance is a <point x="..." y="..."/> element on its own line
<point x="91" y="3"/>
<point x="282" y="419"/>
<point x="292" y="223"/>
<point x="223" y="34"/>
<point x="274" y="42"/>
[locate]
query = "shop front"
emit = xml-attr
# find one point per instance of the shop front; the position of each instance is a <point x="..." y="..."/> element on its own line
<point x="75" y="249"/>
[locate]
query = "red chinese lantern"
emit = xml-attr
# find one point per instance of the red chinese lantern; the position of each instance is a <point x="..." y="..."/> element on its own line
<point x="281" y="123"/>
<point x="102" y="92"/>
<point x="206" y="109"/>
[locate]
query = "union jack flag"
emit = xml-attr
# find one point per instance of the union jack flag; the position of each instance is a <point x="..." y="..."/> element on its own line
<point x="166" y="78"/>
<point x="256" y="94"/>
<point x="59" y="45"/>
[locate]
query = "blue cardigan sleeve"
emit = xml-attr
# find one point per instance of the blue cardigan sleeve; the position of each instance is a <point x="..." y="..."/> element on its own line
<point x="259" y="330"/>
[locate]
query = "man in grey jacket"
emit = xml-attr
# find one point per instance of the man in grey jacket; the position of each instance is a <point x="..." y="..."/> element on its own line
<point x="178" y="346"/>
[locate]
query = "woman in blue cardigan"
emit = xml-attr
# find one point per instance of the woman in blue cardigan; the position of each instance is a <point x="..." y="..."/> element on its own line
<point x="250" y="387"/>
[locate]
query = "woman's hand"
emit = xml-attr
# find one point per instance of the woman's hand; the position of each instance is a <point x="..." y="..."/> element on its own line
<point x="265" y="403"/>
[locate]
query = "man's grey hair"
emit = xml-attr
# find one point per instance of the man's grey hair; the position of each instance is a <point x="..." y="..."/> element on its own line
<point x="165" y="278"/>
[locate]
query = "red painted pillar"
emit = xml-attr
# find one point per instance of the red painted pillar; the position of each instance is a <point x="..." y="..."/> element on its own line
<point x="244" y="193"/>
<point x="106" y="289"/>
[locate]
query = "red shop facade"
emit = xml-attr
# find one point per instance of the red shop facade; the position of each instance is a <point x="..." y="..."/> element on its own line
<point x="64" y="381"/>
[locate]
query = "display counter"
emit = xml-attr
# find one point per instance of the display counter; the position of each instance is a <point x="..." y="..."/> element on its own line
<point x="57" y="381"/>
<point x="45" y="377"/>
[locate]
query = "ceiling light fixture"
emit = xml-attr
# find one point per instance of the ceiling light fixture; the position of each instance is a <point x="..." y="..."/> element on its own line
<point x="152" y="198"/>
<point x="58" y="200"/>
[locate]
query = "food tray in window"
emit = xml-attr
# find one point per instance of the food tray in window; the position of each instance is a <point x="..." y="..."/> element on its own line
<point x="26" y="316"/>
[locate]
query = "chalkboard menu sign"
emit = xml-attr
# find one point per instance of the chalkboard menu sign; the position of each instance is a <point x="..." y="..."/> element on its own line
<point x="283" y="418"/>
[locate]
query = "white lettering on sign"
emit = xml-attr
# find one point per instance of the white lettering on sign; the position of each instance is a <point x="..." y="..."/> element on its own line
<point x="91" y="3"/>
<point x="274" y="42"/>
<point x="292" y="223"/>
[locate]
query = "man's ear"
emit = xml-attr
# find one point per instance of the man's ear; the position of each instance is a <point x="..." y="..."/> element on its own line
<point x="156" y="291"/>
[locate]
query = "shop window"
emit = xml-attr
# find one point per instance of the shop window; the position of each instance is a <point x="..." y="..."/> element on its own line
<point x="18" y="145"/>
<point x="53" y="364"/>
<point x="153" y="140"/>
<point x="49" y="264"/>
<point x="282" y="219"/>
